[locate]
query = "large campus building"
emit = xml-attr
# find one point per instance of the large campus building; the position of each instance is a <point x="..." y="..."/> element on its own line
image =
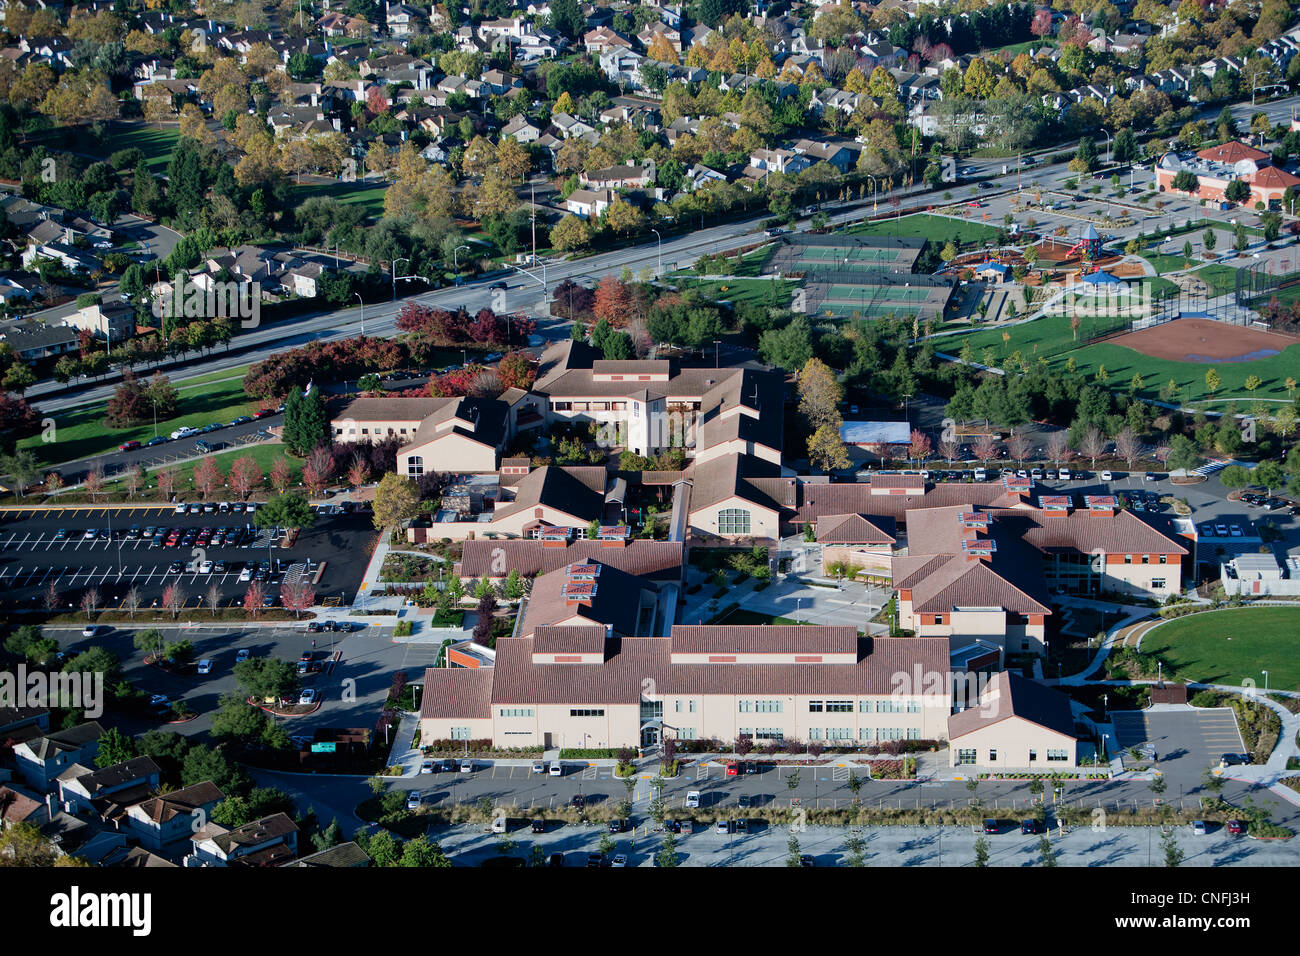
<point x="1217" y="167"/>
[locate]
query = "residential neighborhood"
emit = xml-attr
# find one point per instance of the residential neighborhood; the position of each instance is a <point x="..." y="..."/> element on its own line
<point x="640" y="434"/>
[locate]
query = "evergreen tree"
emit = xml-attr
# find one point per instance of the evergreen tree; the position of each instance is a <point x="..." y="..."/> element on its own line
<point x="306" y="424"/>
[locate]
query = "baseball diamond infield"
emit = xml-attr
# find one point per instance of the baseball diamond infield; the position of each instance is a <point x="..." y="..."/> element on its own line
<point x="1205" y="340"/>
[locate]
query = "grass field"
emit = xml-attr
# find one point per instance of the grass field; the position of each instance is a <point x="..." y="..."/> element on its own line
<point x="368" y="195"/>
<point x="737" y="291"/>
<point x="1051" y="337"/>
<point x="265" y="454"/>
<point x="81" y="432"/>
<point x="935" y="228"/>
<point x="1227" y="647"/>
<point x="155" y="142"/>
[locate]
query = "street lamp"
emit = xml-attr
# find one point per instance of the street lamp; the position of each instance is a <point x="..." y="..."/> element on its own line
<point x="1265" y="682"/>
<point x="395" y="262"/>
<point x="716" y="361"/>
<point x="661" y="251"/>
<point x="363" y="313"/>
<point x="455" y="260"/>
<point x="1109" y="143"/>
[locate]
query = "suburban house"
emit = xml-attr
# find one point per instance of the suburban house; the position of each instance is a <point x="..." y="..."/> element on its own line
<point x="270" y="841"/>
<point x="42" y="759"/>
<point x="107" y="792"/>
<point x="168" y="818"/>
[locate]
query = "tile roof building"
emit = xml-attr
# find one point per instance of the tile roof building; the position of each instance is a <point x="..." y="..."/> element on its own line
<point x="576" y="687"/>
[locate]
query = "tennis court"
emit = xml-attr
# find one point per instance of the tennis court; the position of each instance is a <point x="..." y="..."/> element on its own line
<point x="812" y="253"/>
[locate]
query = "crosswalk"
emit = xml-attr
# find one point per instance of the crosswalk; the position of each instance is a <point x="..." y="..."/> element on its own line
<point x="1210" y="467"/>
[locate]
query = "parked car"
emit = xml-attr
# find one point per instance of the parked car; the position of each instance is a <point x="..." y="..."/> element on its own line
<point x="413" y="801"/>
<point x="467" y="766"/>
<point x="184" y="432"/>
<point x="1199" y="828"/>
<point x="539" y="766"/>
<point x="128" y="446"/>
<point x="733" y="769"/>
<point x="990" y="825"/>
<point x="308" y="696"/>
<point x="693" y="798"/>
<point x="242" y="655"/>
<point x="1029" y="826"/>
<point x="619" y="860"/>
<point x="154" y="442"/>
<point x="617" y="826"/>
<point x="1234" y="760"/>
<point x="745" y="801"/>
<point x="1106" y="476"/>
<point x="1236" y="827"/>
<point x="426" y="766"/>
<point x="95" y="630"/>
<point x="556" y="769"/>
<point x="723" y="826"/>
<point x="579" y="802"/>
<point x="204" y="667"/>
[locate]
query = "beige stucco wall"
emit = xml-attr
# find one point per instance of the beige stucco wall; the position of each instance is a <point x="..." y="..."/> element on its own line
<point x="1012" y="739"/>
<point x="762" y="523"/>
<point x="450" y="452"/>
<point x="353" y="430"/>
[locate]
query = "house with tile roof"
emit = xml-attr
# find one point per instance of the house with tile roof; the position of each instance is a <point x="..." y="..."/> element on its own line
<point x="169" y="817"/>
<point x="460" y="434"/>
<point x="1218" y="167"/>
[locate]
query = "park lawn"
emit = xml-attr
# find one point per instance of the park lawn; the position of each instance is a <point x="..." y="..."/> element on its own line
<point x="368" y="195"/>
<point x="1051" y="337"/>
<point x="737" y="291"/>
<point x="157" y="144"/>
<point x="935" y="228"/>
<point x="81" y="432"/>
<point x="1231" y="646"/>
<point x="265" y="454"/>
<point x="1121" y="362"/>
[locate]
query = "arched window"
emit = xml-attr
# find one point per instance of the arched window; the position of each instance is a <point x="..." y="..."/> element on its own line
<point x="733" y="521"/>
<point x="415" y="466"/>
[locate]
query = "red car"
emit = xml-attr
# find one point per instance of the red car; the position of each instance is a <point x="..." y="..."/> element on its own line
<point x="264" y="413"/>
<point x="733" y="769"/>
<point x="128" y="446"/>
<point x="1236" y="827"/>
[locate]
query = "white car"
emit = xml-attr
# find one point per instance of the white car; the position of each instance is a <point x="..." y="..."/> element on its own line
<point x="413" y="801"/>
<point x="1198" y="828"/>
<point x="1065" y="474"/>
<point x="179" y="509"/>
<point x="184" y="432"/>
<point x="205" y="567"/>
<point x="90" y="535"/>
<point x="557" y="769"/>
<point x="246" y="574"/>
<point x="693" y="799"/>
<point x="94" y="630"/>
<point x="467" y="766"/>
<point x="619" y="860"/>
<point x="205" y="667"/>
<point x="539" y="767"/>
<point x="724" y="826"/>
<point x="426" y="766"/>
<point x="1106" y="476"/>
<point x="308" y="696"/>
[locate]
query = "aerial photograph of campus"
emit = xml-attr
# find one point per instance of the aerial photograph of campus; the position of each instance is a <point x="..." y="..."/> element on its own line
<point x="719" y="433"/>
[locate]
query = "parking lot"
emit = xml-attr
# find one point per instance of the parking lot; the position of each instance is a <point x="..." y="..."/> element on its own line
<point x="1187" y="742"/>
<point x="114" y="549"/>
<point x="767" y="845"/>
<point x="350" y="691"/>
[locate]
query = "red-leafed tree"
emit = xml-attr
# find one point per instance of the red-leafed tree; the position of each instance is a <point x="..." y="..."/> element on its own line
<point x="298" y="596"/>
<point x="1042" y="23"/>
<point x="281" y="475"/>
<point x="613" y="301"/>
<point x="207" y="477"/>
<point x="318" y="467"/>
<point x="173" y="598"/>
<point x="919" y="447"/>
<point x="245" y="475"/>
<point x="254" y="597"/>
<point x="516" y="371"/>
<point x="358" y="471"/>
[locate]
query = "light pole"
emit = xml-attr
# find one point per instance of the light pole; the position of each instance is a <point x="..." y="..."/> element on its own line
<point x="716" y="360"/>
<point x="1109" y="143"/>
<point x="363" y="313"/>
<point x="395" y="262"/>
<point x="1265" y="673"/>
<point x="455" y="260"/>
<point x="661" y="252"/>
